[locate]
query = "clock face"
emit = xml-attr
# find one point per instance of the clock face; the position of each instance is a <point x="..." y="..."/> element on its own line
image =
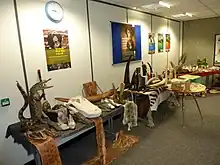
<point x="54" y="11"/>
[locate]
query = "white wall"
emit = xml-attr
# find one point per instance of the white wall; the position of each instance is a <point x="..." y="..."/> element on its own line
<point x="159" y="60"/>
<point x="68" y="82"/>
<point x="174" y="31"/>
<point x="144" y="21"/>
<point x="11" y="71"/>
<point x="100" y="16"/>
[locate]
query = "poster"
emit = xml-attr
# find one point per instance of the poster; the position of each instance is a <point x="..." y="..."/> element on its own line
<point x="151" y="43"/>
<point x="217" y="50"/>
<point x="167" y="42"/>
<point x="126" y="42"/>
<point x="57" y="49"/>
<point x="160" y="43"/>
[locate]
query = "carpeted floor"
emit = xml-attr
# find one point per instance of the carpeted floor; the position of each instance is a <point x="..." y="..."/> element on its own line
<point x="170" y="144"/>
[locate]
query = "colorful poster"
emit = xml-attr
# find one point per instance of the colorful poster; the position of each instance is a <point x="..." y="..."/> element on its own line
<point x="160" y="43"/>
<point x="56" y="44"/>
<point x="167" y="42"/>
<point x="151" y="43"/>
<point x="128" y="42"/>
<point x="217" y="50"/>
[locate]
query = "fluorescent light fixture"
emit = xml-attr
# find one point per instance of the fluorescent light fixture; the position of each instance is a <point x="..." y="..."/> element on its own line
<point x="189" y="14"/>
<point x="182" y="15"/>
<point x="164" y="4"/>
<point x="179" y="15"/>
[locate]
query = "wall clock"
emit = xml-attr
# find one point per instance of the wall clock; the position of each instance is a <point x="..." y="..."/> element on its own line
<point x="54" y="11"/>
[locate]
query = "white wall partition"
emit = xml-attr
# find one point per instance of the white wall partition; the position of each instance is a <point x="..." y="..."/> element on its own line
<point x="11" y="71"/>
<point x="100" y="16"/>
<point x="174" y="31"/>
<point x="67" y="82"/>
<point x="159" y="60"/>
<point x="144" y="21"/>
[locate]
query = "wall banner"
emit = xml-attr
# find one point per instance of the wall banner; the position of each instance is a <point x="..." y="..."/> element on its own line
<point x="167" y="42"/>
<point x="126" y="41"/>
<point x="57" y="50"/>
<point x="160" y="43"/>
<point x="151" y="39"/>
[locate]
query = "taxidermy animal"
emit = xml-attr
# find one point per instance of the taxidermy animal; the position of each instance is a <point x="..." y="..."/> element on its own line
<point x="36" y="108"/>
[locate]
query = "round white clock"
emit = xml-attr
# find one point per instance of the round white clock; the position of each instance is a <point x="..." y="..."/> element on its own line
<point x="54" y="11"/>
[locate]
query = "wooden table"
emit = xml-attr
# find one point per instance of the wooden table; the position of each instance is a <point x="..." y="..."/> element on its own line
<point x="192" y="93"/>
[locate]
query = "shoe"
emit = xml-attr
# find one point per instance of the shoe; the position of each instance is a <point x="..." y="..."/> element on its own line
<point x="109" y="104"/>
<point x="61" y="123"/>
<point x="113" y="103"/>
<point x="71" y="122"/>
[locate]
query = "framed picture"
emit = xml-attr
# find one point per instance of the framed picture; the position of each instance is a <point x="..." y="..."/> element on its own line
<point x="167" y="42"/>
<point x="57" y="50"/>
<point x="160" y="42"/>
<point x="126" y="42"/>
<point x="151" y="40"/>
<point x="217" y="50"/>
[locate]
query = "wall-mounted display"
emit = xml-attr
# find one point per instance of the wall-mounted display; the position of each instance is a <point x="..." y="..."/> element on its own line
<point x="151" y="40"/>
<point x="126" y="40"/>
<point x="160" y="43"/>
<point x="56" y="44"/>
<point x="217" y="50"/>
<point x="54" y="11"/>
<point x="167" y="42"/>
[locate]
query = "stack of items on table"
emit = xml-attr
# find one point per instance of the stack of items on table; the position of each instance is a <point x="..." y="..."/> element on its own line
<point x="47" y="123"/>
<point x="144" y="85"/>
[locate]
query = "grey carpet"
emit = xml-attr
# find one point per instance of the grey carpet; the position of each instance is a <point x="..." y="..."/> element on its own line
<point x="170" y="144"/>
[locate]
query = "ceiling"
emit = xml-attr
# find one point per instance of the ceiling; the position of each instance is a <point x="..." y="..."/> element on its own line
<point x="199" y="8"/>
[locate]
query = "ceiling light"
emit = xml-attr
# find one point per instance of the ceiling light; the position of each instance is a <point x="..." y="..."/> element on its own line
<point x="178" y="15"/>
<point x="164" y="4"/>
<point x="153" y="6"/>
<point x="189" y="14"/>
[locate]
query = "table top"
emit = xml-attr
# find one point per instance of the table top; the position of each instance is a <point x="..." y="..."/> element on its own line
<point x="14" y="130"/>
<point x="194" y="88"/>
<point x="203" y="73"/>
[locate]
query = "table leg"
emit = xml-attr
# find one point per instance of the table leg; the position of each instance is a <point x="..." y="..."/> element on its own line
<point x="183" y="115"/>
<point x="109" y="124"/>
<point x="112" y="124"/>
<point x="37" y="157"/>
<point x="197" y="104"/>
